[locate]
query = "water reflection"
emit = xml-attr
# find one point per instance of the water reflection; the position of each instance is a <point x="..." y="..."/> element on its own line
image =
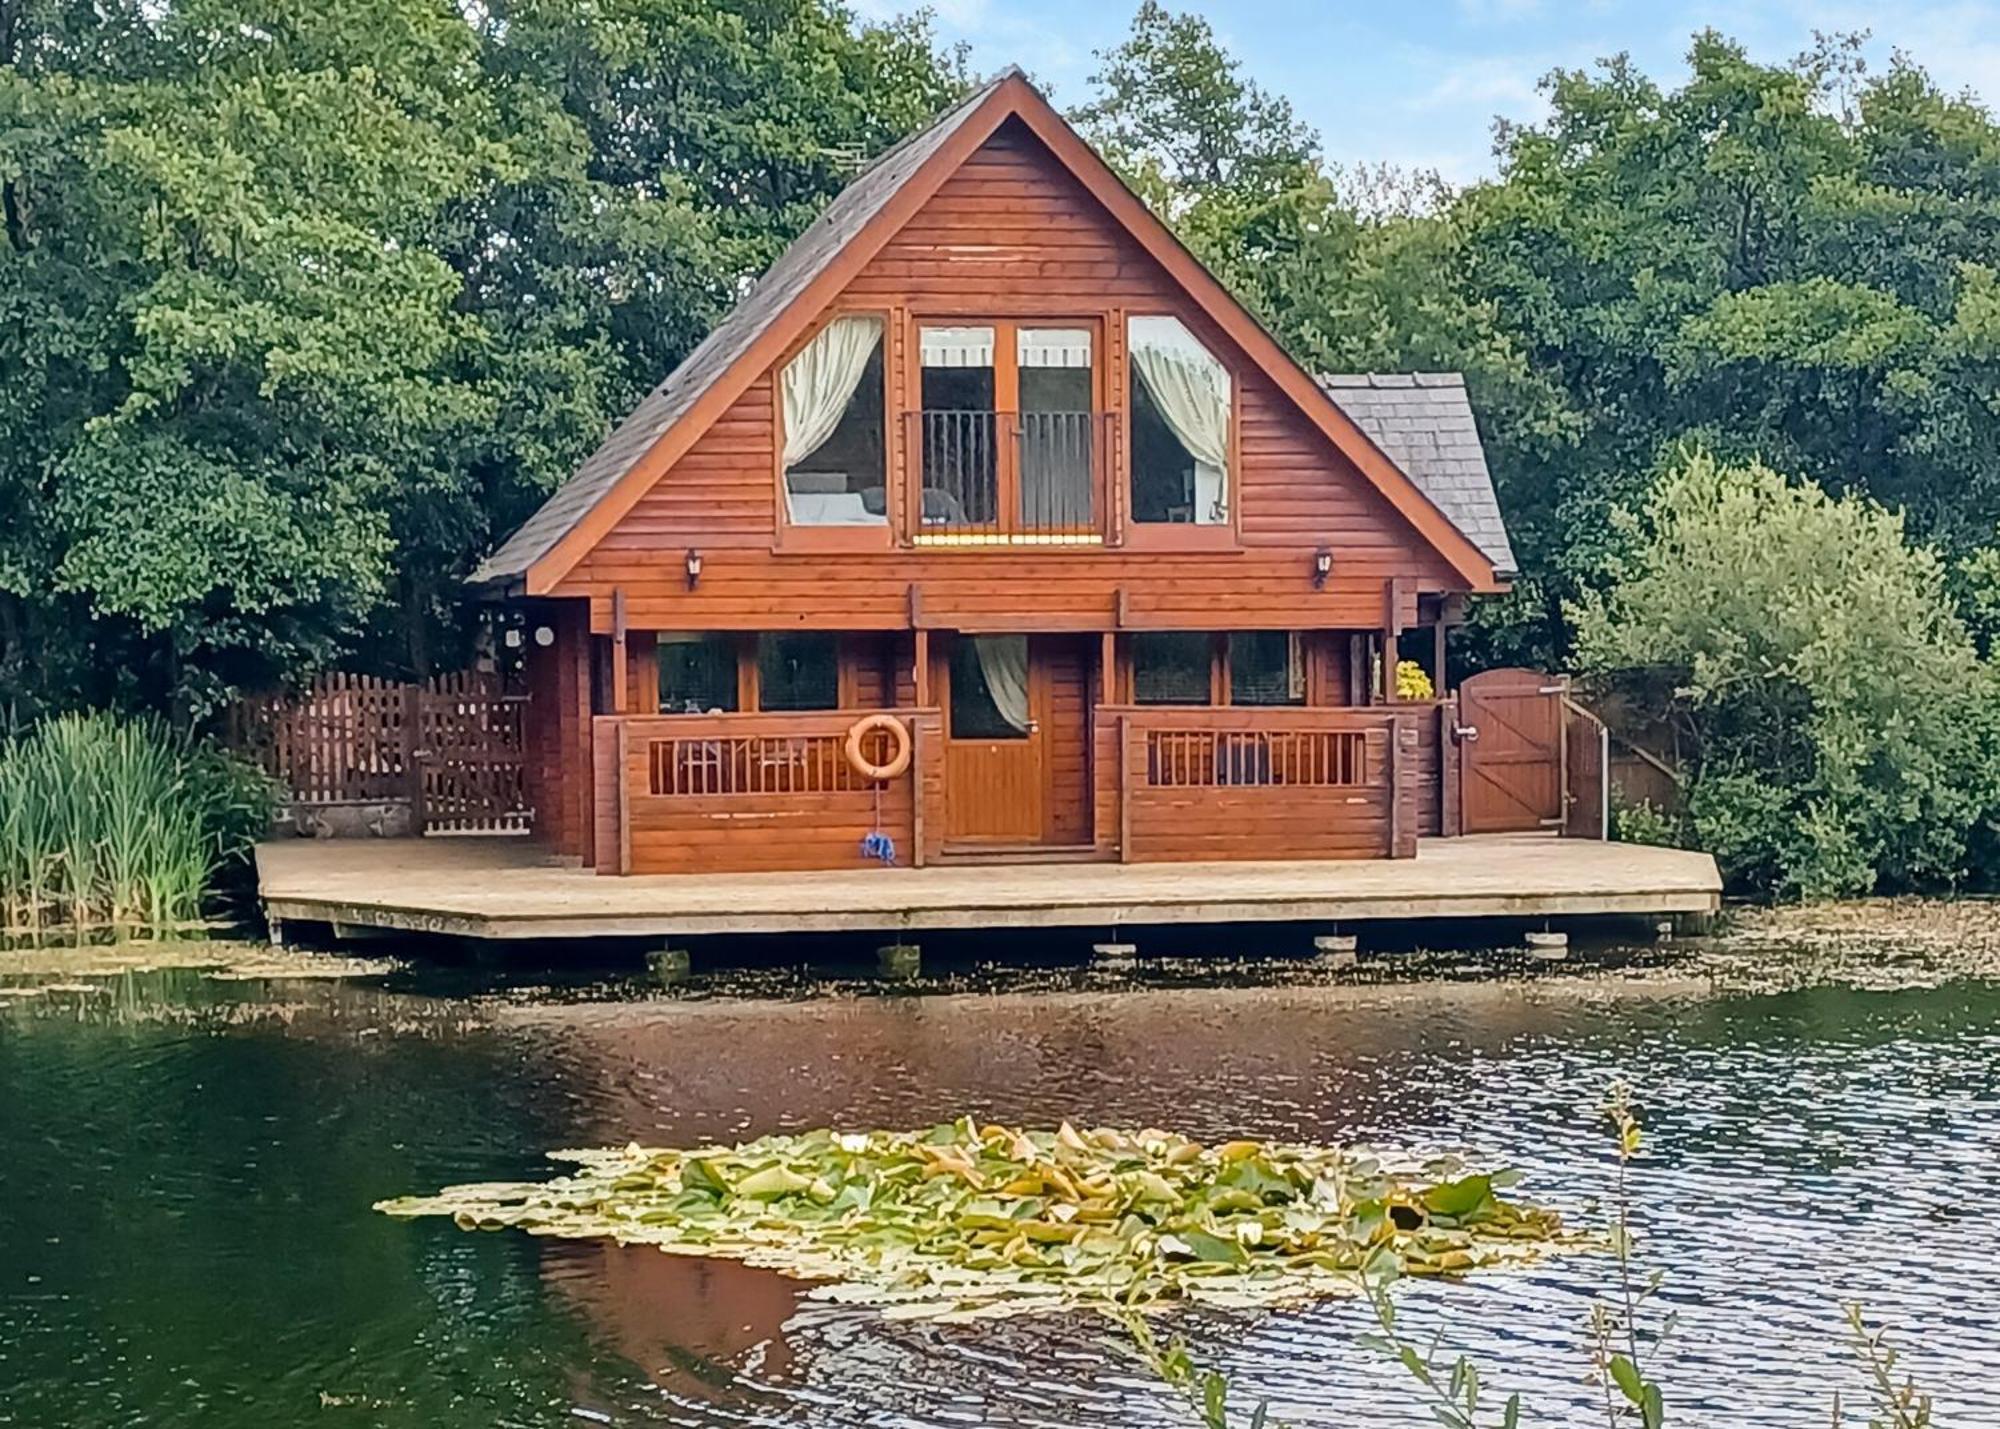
<point x="188" y="1168"/>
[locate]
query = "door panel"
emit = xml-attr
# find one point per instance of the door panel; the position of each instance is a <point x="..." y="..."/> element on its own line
<point x="993" y="768"/>
<point x="1510" y="771"/>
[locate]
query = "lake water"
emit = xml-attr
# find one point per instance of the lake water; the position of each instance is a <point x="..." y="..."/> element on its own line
<point x="187" y="1169"/>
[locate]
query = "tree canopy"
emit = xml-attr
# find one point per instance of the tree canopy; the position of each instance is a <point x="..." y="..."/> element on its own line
<point x="307" y="303"/>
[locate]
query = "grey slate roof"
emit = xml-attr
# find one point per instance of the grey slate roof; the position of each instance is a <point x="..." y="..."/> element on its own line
<point x="667" y="403"/>
<point x="1423" y="422"/>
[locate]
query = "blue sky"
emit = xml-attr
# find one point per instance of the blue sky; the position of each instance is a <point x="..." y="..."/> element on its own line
<point x="1418" y="82"/>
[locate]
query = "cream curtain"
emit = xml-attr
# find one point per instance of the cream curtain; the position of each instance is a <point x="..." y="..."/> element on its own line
<point x="819" y="381"/>
<point x="1003" y="659"/>
<point x="1191" y="390"/>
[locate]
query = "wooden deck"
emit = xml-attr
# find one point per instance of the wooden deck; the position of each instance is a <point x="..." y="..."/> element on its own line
<point x="506" y="888"/>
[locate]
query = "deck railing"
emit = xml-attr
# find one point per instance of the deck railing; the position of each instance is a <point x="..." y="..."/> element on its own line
<point x="695" y="793"/>
<point x="1295" y="758"/>
<point x="711" y="765"/>
<point x="1260" y="782"/>
<point x="1006" y="477"/>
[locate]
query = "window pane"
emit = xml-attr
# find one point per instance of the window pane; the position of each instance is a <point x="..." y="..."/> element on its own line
<point x="1172" y="667"/>
<point x="958" y="441"/>
<point x="697" y="673"/>
<point x="1057" y="394"/>
<point x="1180" y="400"/>
<point x="798" y="671"/>
<point x="1265" y="668"/>
<point x="835" y="458"/>
<point x="989" y="687"/>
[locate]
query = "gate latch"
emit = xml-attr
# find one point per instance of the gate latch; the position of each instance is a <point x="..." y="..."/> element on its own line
<point x="1465" y="733"/>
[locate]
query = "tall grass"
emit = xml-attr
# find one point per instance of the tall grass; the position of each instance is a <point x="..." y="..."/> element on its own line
<point x="110" y="823"/>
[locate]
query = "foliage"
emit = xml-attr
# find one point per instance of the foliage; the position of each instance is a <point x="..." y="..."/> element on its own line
<point x="1839" y="719"/>
<point x="966" y="1220"/>
<point x="1412" y="682"/>
<point x="307" y="304"/>
<point x="1897" y="1406"/>
<point x="1645" y="823"/>
<point x="117" y="823"/>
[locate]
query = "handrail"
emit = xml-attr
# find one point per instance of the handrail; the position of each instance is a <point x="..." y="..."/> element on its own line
<point x="1007" y="478"/>
<point x="731" y="755"/>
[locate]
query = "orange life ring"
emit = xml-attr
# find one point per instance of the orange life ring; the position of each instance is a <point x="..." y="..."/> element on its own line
<point x="866" y="726"/>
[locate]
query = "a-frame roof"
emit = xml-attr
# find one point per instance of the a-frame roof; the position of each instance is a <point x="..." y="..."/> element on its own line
<point x="812" y="271"/>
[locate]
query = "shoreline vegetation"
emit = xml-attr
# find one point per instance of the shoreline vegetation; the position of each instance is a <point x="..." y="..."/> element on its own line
<point x="1875" y="943"/>
<point x="119" y="827"/>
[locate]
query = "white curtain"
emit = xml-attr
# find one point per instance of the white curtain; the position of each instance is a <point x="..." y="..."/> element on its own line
<point x="819" y="381"/>
<point x="1003" y="659"/>
<point x="1191" y="390"/>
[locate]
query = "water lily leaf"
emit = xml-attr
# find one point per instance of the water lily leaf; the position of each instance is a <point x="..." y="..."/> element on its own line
<point x="1459" y="1198"/>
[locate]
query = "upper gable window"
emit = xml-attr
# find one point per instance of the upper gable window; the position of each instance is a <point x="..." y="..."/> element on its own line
<point x="836" y="464"/>
<point x="1181" y="400"/>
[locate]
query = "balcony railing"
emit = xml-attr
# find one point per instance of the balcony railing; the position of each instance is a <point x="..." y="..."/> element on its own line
<point x="1007" y="478"/>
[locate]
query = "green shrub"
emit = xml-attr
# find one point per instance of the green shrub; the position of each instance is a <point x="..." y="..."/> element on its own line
<point x="1646" y="823"/>
<point x="1841" y="723"/>
<point x="113" y="823"/>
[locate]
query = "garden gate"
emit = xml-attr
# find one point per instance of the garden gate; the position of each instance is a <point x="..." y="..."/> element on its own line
<point x="448" y="750"/>
<point x="1530" y="757"/>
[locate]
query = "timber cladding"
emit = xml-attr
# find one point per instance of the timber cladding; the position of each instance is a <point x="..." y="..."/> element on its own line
<point x="1015" y="232"/>
<point x="1216" y="784"/>
<point x="684" y="794"/>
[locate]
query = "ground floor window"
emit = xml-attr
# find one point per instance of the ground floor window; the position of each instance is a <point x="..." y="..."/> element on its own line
<point x="1173" y="667"/>
<point x="798" y="671"/>
<point x="697" y="673"/>
<point x="1266" y="667"/>
<point x="989" y="687"/>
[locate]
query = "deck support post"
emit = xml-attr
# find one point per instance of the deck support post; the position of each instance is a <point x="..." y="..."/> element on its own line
<point x="1337" y="950"/>
<point x="277" y="931"/>
<point x="899" y="962"/>
<point x="667" y="966"/>
<point x="1548" y="947"/>
<point x="1693" y="925"/>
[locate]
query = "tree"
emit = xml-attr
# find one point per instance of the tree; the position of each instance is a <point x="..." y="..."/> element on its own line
<point x="1838" y="725"/>
<point x="306" y="304"/>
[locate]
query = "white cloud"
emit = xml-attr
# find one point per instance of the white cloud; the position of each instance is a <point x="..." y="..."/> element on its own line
<point x="1508" y="80"/>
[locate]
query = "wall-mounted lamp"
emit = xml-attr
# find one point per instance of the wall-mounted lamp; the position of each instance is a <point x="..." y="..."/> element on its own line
<point x="693" y="568"/>
<point x="1322" y="567"/>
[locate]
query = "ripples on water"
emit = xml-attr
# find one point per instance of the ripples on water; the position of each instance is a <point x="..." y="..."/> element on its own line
<point x="185" y="1237"/>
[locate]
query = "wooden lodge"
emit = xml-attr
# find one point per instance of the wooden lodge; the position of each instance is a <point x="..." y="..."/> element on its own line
<point x="989" y="528"/>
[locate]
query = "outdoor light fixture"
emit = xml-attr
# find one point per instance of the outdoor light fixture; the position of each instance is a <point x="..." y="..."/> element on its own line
<point x="694" y="568"/>
<point x="1322" y="567"/>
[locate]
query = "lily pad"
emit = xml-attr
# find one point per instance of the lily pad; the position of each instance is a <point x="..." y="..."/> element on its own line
<point x="964" y="1220"/>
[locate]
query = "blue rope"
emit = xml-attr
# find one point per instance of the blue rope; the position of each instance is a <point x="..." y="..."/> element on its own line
<point x="879" y="845"/>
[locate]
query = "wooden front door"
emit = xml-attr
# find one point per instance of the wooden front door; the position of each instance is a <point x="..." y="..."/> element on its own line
<point x="1016" y="721"/>
<point x="1510" y="752"/>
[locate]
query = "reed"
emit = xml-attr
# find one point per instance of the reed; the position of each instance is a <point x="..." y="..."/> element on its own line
<point x="113" y="824"/>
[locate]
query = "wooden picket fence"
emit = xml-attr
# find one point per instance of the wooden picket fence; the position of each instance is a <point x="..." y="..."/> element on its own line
<point x="449" y="747"/>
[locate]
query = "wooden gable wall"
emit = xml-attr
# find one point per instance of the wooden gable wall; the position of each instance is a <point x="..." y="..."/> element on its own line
<point x="1013" y="233"/>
